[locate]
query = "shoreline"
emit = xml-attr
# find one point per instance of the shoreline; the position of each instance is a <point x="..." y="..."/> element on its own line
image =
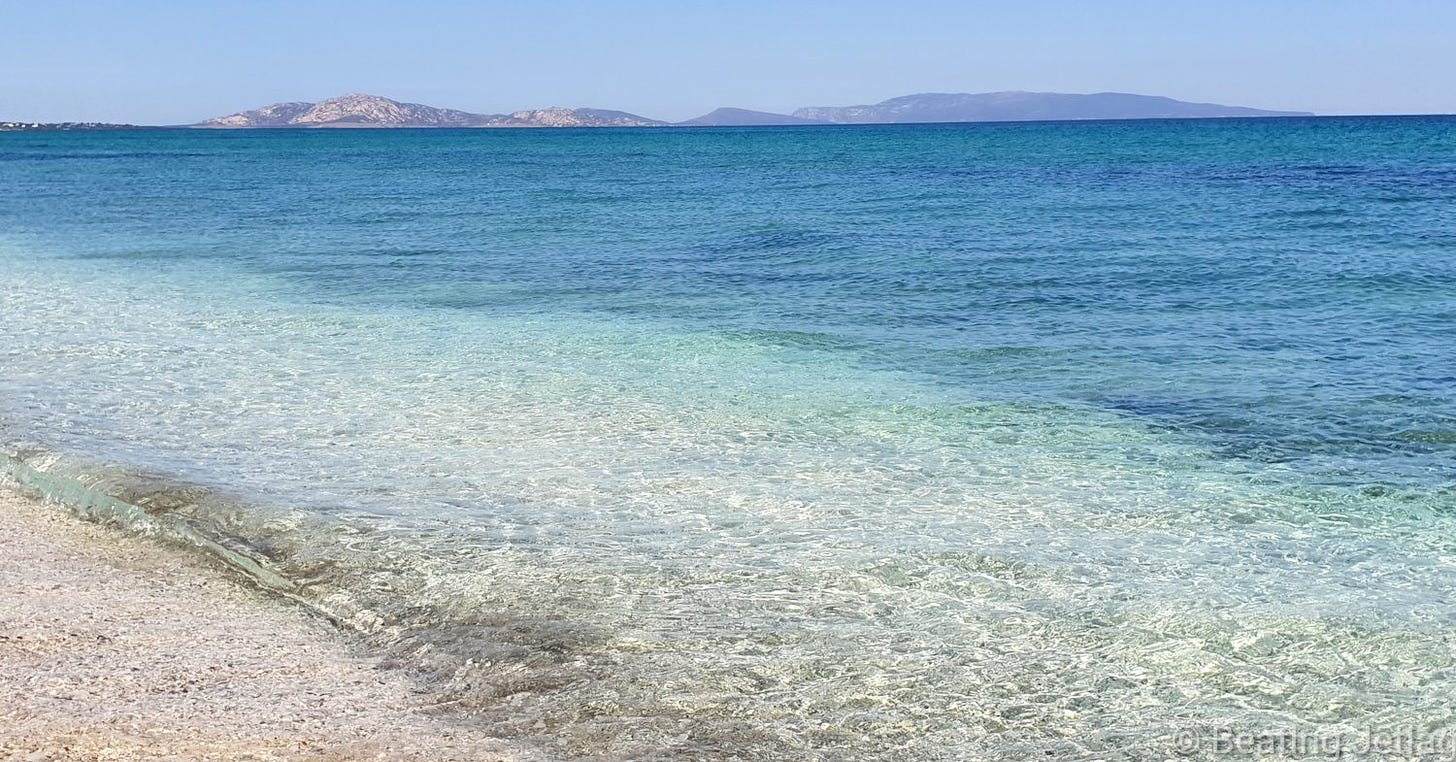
<point x="114" y="647"/>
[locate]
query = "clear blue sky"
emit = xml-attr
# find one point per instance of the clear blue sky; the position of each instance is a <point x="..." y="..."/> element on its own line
<point x="155" y="62"/>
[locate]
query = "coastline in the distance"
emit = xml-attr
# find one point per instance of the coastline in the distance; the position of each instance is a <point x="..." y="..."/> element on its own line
<point x="366" y="111"/>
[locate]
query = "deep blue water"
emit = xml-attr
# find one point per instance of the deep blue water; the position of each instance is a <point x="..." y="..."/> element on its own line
<point x="934" y="441"/>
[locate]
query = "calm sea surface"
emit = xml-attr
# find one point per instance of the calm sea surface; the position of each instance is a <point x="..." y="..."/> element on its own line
<point x="905" y="443"/>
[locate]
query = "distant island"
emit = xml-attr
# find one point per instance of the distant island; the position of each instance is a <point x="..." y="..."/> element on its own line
<point x="358" y="110"/>
<point x="742" y="117"/>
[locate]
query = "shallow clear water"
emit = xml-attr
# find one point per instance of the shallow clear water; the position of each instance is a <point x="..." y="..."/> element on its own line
<point x="913" y="442"/>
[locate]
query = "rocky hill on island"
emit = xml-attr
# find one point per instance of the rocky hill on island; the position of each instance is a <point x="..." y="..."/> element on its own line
<point x="579" y="117"/>
<point x="358" y="110"/>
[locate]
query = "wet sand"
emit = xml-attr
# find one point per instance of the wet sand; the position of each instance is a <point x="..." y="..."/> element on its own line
<point x="113" y="647"/>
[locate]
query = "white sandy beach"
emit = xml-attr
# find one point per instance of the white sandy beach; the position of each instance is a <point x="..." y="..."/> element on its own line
<point x="116" y="648"/>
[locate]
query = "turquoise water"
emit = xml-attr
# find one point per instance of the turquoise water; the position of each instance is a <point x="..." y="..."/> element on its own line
<point x="913" y="442"/>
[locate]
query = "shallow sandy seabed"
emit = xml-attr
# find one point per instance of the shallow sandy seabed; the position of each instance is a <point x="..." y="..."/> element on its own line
<point x="115" y="648"/>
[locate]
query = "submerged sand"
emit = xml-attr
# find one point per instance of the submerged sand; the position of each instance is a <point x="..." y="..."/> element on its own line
<point x="116" y="648"/>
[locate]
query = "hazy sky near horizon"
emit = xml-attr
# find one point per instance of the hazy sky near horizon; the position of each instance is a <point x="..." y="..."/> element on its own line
<point x="172" y="62"/>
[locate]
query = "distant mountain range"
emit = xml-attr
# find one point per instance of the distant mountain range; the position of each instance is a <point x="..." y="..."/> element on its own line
<point x="1023" y="107"/>
<point x="359" y="110"/>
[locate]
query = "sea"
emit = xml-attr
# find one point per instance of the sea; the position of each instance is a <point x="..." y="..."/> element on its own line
<point x="1077" y="440"/>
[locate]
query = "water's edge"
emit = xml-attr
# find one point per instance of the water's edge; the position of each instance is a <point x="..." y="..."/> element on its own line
<point x="148" y="506"/>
